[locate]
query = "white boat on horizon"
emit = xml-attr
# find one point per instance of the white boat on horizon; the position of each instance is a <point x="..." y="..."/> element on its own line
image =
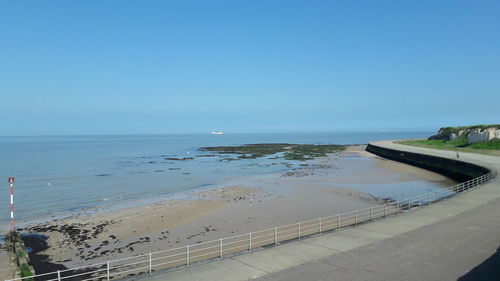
<point x="217" y="133"/>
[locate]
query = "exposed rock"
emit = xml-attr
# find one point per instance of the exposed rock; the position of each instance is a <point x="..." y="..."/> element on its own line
<point x="473" y="134"/>
<point x="478" y="135"/>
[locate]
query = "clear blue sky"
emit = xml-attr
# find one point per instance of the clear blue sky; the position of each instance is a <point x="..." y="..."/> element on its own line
<point x="131" y="67"/>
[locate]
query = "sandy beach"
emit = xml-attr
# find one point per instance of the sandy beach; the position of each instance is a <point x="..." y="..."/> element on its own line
<point x="236" y="207"/>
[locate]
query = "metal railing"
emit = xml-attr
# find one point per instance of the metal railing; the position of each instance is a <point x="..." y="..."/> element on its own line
<point x="190" y="254"/>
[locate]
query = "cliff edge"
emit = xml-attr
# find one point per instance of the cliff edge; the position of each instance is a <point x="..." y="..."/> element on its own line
<point x="472" y="134"/>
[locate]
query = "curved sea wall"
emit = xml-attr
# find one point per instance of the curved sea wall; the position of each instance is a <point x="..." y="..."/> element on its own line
<point x="457" y="170"/>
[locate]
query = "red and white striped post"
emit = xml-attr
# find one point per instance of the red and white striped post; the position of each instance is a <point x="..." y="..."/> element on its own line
<point x="11" y="181"/>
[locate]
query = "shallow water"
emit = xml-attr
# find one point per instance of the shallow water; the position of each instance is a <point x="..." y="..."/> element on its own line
<point x="63" y="174"/>
<point x="398" y="190"/>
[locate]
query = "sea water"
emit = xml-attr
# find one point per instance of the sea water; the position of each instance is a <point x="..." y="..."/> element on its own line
<point x="64" y="174"/>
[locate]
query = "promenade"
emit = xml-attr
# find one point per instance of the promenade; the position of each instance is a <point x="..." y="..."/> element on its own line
<point x="442" y="241"/>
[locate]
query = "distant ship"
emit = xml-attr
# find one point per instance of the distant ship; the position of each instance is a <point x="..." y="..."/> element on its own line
<point x="217" y="133"/>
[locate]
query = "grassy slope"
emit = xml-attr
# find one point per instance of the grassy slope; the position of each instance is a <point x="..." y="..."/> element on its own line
<point x="490" y="148"/>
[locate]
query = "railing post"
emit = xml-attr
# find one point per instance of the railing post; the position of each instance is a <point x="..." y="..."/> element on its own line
<point x="428" y="198"/>
<point x="338" y="221"/>
<point x="107" y="270"/>
<point x="275" y="236"/>
<point x="59" y="275"/>
<point x="187" y="255"/>
<point x="371" y="213"/>
<point x="356" y="217"/>
<point x="298" y="227"/>
<point x="384" y="210"/>
<point x="319" y="225"/>
<point x="399" y="209"/>
<point x="150" y="263"/>
<point x="220" y="248"/>
<point x="250" y="241"/>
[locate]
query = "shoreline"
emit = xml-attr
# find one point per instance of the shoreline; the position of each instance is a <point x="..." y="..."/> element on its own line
<point x="221" y="212"/>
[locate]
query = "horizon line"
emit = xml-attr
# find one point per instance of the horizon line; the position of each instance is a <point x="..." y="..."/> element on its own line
<point x="226" y="133"/>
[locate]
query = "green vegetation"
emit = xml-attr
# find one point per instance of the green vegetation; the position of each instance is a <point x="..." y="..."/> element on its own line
<point x="20" y="253"/>
<point x="446" y="132"/>
<point x="494" y="144"/>
<point x="16" y="245"/>
<point x="299" y="152"/>
<point x="454" y="130"/>
<point x="459" y="144"/>
<point x="26" y="272"/>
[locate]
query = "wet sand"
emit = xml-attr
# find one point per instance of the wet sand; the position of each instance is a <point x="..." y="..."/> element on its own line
<point x="237" y="207"/>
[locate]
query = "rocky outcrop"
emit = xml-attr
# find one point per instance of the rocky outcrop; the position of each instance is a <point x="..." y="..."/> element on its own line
<point x="471" y="134"/>
<point x="478" y="135"/>
<point x="441" y="135"/>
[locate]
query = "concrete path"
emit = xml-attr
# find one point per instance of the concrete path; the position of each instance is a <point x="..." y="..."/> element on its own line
<point x="6" y="271"/>
<point x="439" y="242"/>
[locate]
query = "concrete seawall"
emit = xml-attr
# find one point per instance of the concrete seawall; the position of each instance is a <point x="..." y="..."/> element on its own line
<point x="457" y="170"/>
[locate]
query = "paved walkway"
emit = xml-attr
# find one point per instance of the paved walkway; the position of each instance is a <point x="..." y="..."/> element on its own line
<point x="6" y="271"/>
<point x="438" y="242"/>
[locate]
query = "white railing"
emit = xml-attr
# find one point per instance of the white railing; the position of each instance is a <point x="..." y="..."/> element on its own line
<point x="187" y="255"/>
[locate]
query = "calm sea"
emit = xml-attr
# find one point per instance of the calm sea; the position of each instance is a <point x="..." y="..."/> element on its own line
<point x="62" y="174"/>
